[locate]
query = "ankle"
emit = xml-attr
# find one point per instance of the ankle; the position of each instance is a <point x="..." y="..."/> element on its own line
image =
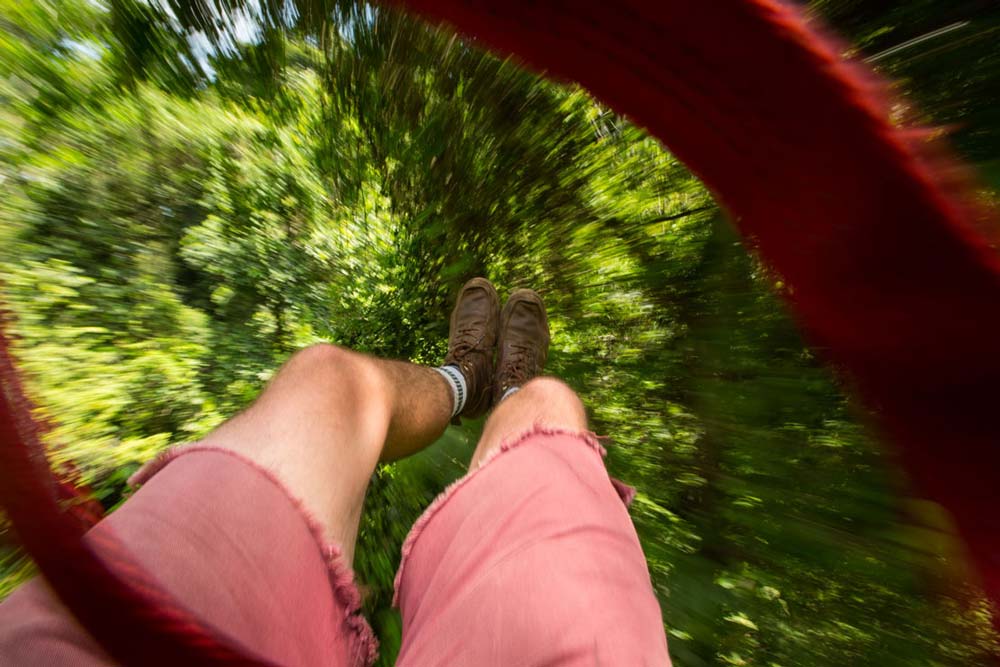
<point x="509" y="392"/>
<point x="458" y="385"/>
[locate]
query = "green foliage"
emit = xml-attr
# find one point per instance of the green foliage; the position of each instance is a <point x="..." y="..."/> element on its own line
<point x="182" y="210"/>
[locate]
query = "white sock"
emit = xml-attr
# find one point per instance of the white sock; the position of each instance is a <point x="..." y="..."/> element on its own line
<point x="459" y="388"/>
<point x="507" y="393"/>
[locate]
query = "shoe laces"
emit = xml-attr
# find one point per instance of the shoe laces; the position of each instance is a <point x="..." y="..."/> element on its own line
<point x="466" y="341"/>
<point x="520" y="363"/>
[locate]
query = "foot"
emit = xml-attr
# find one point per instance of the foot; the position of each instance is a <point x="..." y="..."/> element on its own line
<point x="524" y="341"/>
<point x="472" y="340"/>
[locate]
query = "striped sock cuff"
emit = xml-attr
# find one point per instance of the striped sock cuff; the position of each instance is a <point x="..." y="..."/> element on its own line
<point x="507" y="393"/>
<point x="459" y="391"/>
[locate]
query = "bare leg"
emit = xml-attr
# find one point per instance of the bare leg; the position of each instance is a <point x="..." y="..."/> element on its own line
<point x="545" y="401"/>
<point x="500" y="573"/>
<point x="227" y="543"/>
<point x="325" y="421"/>
<point x="229" y="546"/>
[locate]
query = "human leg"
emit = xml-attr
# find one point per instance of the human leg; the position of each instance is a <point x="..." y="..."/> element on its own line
<point x="531" y="558"/>
<point x="327" y="419"/>
<point x="331" y="414"/>
<point x="220" y="522"/>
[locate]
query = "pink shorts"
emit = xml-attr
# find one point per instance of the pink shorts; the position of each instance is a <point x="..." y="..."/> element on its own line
<point x="531" y="559"/>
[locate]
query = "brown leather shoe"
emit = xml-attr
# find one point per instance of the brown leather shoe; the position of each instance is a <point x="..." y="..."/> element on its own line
<point x="471" y="342"/>
<point x="524" y="341"/>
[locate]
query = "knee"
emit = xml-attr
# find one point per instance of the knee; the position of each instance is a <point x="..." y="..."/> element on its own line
<point x="329" y="361"/>
<point x="321" y="355"/>
<point x="552" y="391"/>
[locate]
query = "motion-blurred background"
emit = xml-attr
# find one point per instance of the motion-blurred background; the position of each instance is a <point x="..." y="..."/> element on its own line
<point x="189" y="191"/>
